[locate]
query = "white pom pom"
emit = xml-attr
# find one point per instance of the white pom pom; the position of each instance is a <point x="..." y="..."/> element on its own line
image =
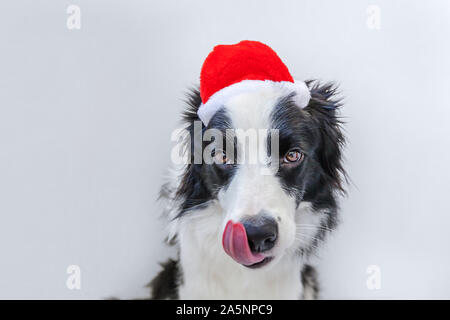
<point x="303" y="95"/>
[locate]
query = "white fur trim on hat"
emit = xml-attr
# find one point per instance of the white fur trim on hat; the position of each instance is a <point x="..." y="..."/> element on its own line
<point x="219" y="99"/>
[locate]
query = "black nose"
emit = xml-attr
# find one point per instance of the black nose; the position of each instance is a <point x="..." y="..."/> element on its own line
<point x="262" y="232"/>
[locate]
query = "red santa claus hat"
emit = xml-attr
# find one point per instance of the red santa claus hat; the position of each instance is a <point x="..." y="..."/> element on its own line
<point x="247" y="66"/>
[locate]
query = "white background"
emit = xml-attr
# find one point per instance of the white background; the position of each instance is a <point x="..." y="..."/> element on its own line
<point x="86" y="117"/>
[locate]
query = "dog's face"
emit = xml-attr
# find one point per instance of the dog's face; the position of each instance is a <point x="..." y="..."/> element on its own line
<point x="261" y="186"/>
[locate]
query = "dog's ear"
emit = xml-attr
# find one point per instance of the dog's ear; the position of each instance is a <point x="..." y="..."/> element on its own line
<point x="323" y="108"/>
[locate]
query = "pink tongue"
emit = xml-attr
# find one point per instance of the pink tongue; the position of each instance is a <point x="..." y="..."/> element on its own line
<point x="235" y="244"/>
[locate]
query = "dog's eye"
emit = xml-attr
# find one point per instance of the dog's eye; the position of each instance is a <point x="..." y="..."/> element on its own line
<point x="220" y="157"/>
<point x="293" y="155"/>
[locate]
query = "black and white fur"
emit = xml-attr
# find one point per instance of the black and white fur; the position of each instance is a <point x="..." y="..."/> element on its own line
<point x="201" y="198"/>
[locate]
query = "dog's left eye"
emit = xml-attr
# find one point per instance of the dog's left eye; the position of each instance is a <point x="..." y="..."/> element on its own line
<point x="220" y="157"/>
<point x="293" y="156"/>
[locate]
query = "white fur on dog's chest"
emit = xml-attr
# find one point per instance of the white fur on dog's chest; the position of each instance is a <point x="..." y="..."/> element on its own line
<point x="208" y="273"/>
<point x="226" y="282"/>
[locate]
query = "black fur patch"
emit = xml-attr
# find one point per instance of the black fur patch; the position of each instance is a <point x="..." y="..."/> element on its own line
<point x="200" y="182"/>
<point x="316" y="132"/>
<point x="310" y="282"/>
<point x="165" y="284"/>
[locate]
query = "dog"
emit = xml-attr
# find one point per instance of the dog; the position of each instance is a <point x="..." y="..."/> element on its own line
<point x="242" y="232"/>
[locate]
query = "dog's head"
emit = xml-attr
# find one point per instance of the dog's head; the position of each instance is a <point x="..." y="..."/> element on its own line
<point x="264" y="188"/>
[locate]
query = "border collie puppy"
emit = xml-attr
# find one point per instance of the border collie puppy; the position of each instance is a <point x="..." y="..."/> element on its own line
<point x="244" y="229"/>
